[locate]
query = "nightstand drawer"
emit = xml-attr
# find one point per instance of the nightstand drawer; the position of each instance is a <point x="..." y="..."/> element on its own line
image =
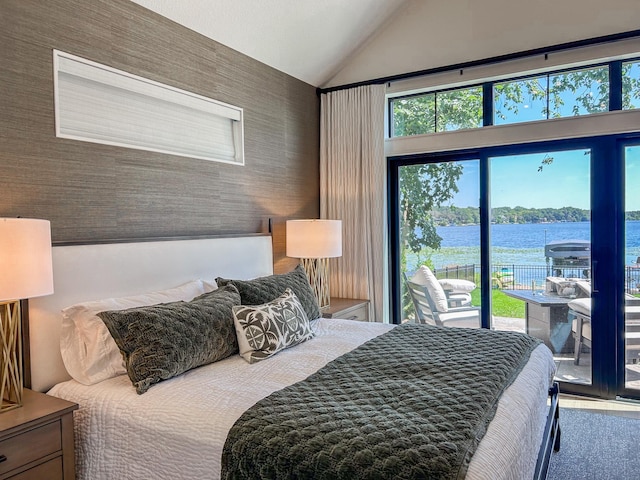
<point x="29" y="446"/>
<point x="359" y="313"/>
<point x="51" y="470"/>
<point x="347" y="309"/>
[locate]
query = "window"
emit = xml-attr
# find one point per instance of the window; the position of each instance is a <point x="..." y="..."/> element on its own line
<point x="579" y="92"/>
<point x="520" y="101"/>
<point x="542" y="192"/>
<point x="555" y="94"/>
<point x="96" y="103"/>
<point x="630" y="85"/>
<point x="565" y="94"/>
<point x="437" y="112"/>
<point x="414" y="115"/>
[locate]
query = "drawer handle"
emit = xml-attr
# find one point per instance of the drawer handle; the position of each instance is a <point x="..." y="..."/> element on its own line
<point x="3" y="458"/>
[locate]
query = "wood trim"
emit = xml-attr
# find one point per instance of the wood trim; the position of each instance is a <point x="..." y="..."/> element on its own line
<point x="153" y="239"/>
<point x="68" y="446"/>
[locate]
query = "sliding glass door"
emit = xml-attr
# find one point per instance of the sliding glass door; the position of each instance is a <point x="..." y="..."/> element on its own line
<point x="631" y="355"/>
<point x="439" y="242"/>
<point x="537" y="230"/>
<point x="540" y="250"/>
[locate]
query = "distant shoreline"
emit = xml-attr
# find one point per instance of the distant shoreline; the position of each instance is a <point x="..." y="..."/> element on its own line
<point x="513" y="244"/>
<point x="464" y="216"/>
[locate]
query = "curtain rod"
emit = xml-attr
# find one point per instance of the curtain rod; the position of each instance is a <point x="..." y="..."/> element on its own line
<point x="486" y="61"/>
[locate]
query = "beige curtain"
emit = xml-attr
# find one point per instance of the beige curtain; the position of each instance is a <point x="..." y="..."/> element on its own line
<point x="352" y="189"/>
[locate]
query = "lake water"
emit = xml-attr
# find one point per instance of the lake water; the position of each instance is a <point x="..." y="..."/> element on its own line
<point x="521" y="244"/>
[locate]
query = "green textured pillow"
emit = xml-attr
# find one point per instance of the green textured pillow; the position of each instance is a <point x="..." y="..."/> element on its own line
<point x="161" y="341"/>
<point x="264" y="330"/>
<point x="264" y="289"/>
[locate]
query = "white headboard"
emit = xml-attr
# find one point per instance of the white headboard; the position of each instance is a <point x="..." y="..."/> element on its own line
<point x="93" y="272"/>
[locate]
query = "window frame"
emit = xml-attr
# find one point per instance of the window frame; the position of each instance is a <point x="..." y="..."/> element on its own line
<point x="614" y="100"/>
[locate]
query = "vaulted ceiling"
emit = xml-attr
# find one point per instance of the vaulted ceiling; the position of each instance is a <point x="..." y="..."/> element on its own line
<point x="308" y="39"/>
<point x="336" y="42"/>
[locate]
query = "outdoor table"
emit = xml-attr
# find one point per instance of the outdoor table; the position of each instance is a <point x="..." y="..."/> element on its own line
<point x="546" y="317"/>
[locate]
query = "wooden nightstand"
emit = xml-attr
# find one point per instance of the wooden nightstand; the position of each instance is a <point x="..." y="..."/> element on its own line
<point x="347" y="308"/>
<point x="36" y="440"/>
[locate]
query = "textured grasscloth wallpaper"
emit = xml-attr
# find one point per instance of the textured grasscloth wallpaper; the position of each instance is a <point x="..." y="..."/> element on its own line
<point x="98" y="192"/>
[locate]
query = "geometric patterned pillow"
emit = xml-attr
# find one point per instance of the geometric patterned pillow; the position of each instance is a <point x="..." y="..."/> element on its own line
<point x="264" y="330"/>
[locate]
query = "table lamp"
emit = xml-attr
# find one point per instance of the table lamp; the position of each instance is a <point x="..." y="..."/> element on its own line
<point x="314" y="242"/>
<point x="25" y="271"/>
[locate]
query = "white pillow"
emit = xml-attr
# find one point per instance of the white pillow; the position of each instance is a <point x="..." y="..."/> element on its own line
<point x="89" y="352"/>
<point x="424" y="276"/>
<point x="457" y="284"/>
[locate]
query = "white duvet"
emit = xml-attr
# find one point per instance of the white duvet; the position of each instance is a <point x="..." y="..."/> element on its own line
<point x="178" y="428"/>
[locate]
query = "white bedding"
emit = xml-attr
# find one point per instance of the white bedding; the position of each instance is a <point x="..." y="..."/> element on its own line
<point x="177" y="429"/>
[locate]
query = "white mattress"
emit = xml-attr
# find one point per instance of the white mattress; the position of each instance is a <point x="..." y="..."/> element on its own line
<point x="177" y="429"/>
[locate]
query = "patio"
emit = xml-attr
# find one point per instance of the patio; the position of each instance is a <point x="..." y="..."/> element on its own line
<point x="566" y="370"/>
<point x="516" y="281"/>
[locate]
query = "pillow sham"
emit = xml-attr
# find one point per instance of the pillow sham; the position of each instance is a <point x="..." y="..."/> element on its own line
<point x="88" y="350"/>
<point x="159" y="342"/>
<point x="265" y="289"/>
<point x="424" y="276"/>
<point x="264" y="330"/>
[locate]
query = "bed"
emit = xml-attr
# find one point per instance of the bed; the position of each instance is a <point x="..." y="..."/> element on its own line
<point x="183" y="426"/>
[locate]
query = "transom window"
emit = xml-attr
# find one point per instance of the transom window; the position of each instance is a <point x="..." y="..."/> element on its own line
<point x="630" y="85"/>
<point x="440" y="111"/>
<point x="562" y="93"/>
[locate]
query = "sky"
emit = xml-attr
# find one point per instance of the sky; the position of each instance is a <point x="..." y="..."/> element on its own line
<point x="516" y="181"/>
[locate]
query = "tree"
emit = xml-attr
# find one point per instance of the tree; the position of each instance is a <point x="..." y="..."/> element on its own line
<point x="426" y="187"/>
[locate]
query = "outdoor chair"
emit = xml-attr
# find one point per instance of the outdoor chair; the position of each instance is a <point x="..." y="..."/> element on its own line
<point x="580" y="318"/>
<point x="432" y="305"/>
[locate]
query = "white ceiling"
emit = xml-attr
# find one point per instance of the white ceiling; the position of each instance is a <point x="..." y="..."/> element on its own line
<point x="308" y="39"/>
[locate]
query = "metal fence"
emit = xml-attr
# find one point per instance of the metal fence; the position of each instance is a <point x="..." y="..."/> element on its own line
<point x="512" y="276"/>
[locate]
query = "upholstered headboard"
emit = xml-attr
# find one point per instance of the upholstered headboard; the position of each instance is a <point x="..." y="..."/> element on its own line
<point x="91" y="272"/>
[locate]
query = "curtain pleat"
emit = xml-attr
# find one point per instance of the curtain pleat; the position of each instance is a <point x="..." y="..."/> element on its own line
<point x="352" y="189"/>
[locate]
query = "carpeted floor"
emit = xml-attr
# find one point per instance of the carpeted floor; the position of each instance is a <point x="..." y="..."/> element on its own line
<point x="596" y="446"/>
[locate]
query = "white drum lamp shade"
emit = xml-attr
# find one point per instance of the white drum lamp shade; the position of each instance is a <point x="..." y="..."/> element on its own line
<point x="25" y="271"/>
<point x="315" y="241"/>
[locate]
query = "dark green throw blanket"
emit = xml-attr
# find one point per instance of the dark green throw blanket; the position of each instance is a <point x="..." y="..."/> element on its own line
<point x="413" y="403"/>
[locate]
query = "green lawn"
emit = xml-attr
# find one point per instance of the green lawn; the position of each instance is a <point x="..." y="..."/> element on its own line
<point x="503" y="305"/>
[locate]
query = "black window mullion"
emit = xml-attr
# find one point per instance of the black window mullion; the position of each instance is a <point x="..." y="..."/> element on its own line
<point x="487" y="104"/>
<point x="615" y="85"/>
<point x="485" y="242"/>
<point x="435" y="112"/>
<point x="393" y="211"/>
<point x="548" y="95"/>
<point x="390" y="118"/>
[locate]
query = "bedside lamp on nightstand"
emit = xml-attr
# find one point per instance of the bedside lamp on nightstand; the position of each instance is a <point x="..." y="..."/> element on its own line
<point x="25" y="272"/>
<point x="314" y="242"/>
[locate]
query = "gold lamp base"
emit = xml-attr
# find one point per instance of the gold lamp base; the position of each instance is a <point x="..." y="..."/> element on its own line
<point x="317" y="270"/>
<point x="11" y="375"/>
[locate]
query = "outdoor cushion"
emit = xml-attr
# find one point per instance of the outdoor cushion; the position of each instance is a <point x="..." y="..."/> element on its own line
<point x="581" y="305"/>
<point x="457" y="284"/>
<point x="425" y="277"/>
